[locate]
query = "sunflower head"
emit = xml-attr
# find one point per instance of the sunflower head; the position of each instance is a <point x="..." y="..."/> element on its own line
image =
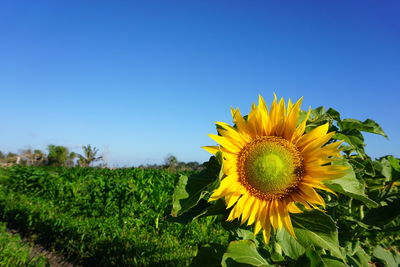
<point x="271" y="165"/>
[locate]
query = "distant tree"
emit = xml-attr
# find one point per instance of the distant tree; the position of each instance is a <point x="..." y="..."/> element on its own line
<point x="39" y="157"/>
<point x="60" y="156"/>
<point x="26" y="157"/>
<point x="171" y="162"/>
<point x="89" y="156"/>
<point x="71" y="159"/>
<point x="193" y="165"/>
<point x="2" y="158"/>
<point x="11" y="158"/>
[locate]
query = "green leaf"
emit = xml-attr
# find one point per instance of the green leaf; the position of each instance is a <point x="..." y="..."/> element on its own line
<point x="331" y="262"/>
<point x="320" y="116"/>
<point x="384" y="214"/>
<point x="390" y="168"/>
<point x="385" y="256"/>
<point x="276" y="252"/>
<point x="369" y="168"/>
<point x="243" y="251"/>
<point x="334" y="114"/>
<point x="209" y="255"/>
<point x="349" y="185"/>
<point x="314" y="258"/>
<point x="289" y="245"/>
<point x="246" y="235"/>
<point x="354" y="138"/>
<point x="316" y="229"/>
<point x="361" y="258"/>
<point x="395" y="163"/>
<point x="202" y="209"/>
<point x="368" y="126"/>
<point x="362" y="166"/>
<point x="191" y="214"/>
<point x="179" y="194"/>
<point x="355" y="255"/>
<point x="386" y="169"/>
<point x="189" y="190"/>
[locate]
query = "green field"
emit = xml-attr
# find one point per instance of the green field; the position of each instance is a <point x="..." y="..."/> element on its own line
<point x="101" y="216"/>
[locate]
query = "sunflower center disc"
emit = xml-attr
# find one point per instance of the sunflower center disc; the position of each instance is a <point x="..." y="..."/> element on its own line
<point x="270" y="165"/>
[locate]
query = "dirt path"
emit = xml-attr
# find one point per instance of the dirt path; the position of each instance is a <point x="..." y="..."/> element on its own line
<point x="55" y="259"/>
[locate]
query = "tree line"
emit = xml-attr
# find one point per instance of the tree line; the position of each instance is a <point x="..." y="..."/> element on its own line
<point x="171" y="163"/>
<point x="55" y="156"/>
<point x="62" y="156"/>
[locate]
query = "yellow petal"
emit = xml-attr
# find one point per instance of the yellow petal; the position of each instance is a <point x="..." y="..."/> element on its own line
<point x="300" y="129"/>
<point x="274" y="215"/>
<point x="240" y="205"/>
<point x="267" y="233"/>
<point x="292" y="208"/>
<point x="225" y="143"/>
<point x="324" y="152"/>
<point x="240" y="122"/>
<point x="313" y="135"/>
<point x="231" y="200"/>
<point x="262" y="105"/>
<point x="328" y="172"/>
<point x="228" y="185"/>
<point x="253" y="123"/>
<point x="315" y="144"/>
<point x="266" y="224"/>
<point x="233" y="137"/>
<point x="211" y="149"/>
<point x="310" y="194"/>
<point x="317" y="184"/>
<point x="257" y="227"/>
<point x="261" y="217"/>
<point x="281" y="120"/>
<point x="292" y="119"/>
<point x="248" y="206"/>
<point x="284" y="214"/>
<point x="233" y="131"/>
<point x="289" y="107"/>
<point x="254" y="212"/>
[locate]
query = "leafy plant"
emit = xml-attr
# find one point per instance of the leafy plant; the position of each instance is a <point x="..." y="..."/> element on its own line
<point x="360" y="227"/>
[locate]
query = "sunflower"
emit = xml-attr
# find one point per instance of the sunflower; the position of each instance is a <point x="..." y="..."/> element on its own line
<point x="271" y="165"/>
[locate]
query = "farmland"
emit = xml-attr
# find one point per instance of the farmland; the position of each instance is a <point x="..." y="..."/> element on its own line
<point x="102" y="217"/>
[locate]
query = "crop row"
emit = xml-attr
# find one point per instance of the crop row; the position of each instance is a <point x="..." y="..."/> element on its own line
<point x="101" y="216"/>
<point x="13" y="252"/>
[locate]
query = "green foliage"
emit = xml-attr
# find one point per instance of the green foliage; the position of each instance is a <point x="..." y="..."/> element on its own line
<point x="187" y="195"/>
<point x="315" y="229"/>
<point x="59" y="156"/>
<point x="13" y="252"/>
<point x="101" y="216"/>
<point x="209" y="255"/>
<point x="385" y="256"/>
<point x="384" y="214"/>
<point x="349" y="185"/>
<point x="360" y="227"/>
<point x="368" y="126"/>
<point x="245" y="252"/>
<point x="290" y="246"/>
<point x="89" y="156"/>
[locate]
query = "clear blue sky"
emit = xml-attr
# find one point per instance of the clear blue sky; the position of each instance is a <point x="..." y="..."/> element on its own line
<point x="142" y="79"/>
